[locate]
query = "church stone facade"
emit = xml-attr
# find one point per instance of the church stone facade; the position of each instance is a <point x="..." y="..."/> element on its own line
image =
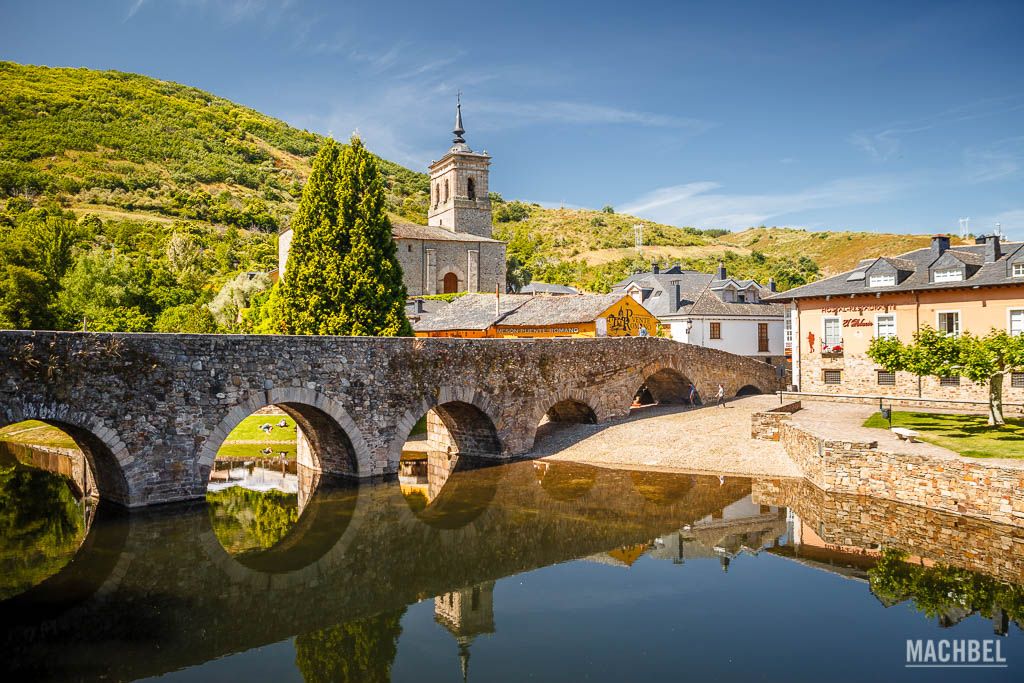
<point x="454" y="252"/>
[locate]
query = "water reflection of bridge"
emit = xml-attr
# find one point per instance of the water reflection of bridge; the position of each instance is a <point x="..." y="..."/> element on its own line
<point x="367" y="553"/>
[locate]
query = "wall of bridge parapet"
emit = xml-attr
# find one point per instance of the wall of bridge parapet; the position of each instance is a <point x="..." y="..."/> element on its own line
<point x="151" y="410"/>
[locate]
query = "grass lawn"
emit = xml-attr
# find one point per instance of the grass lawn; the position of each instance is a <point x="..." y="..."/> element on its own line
<point x="249" y="429"/>
<point x="279" y="439"/>
<point x="968" y="435"/>
<point x="35" y="433"/>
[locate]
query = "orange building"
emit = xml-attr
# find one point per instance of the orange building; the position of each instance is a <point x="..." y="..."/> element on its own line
<point x="971" y="288"/>
<point x="519" y="315"/>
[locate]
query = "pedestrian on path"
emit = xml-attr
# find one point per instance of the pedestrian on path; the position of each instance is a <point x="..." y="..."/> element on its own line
<point x="693" y="396"/>
<point x="721" y="395"/>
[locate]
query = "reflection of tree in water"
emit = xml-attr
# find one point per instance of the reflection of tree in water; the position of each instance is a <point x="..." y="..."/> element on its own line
<point x="947" y="593"/>
<point x="362" y="650"/>
<point x="41" y="527"/>
<point x="246" y="520"/>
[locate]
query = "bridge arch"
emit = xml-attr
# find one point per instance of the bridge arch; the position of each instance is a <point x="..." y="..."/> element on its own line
<point x="566" y="405"/>
<point x="459" y="420"/>
<point x="103" y="447"/>
<point x="748" y="390"/>
<point x="335" y="444"/>
<point x="666" y="381"/>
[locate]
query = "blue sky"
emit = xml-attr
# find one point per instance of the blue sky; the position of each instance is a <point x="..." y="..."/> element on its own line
<point x="897" y="116"/>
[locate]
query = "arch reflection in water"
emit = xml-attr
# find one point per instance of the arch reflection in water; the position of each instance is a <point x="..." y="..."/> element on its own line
<point x="44" y="510"/>
<point x="274" y="532"/>
<point x="160" y="601"/>
<point x="448" y="491"/>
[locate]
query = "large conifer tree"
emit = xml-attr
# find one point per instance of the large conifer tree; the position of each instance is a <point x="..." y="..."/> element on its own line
<point x="343" y="275"/>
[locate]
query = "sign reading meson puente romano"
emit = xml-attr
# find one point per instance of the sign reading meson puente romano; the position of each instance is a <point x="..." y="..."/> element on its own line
<point x="454" y="252"/>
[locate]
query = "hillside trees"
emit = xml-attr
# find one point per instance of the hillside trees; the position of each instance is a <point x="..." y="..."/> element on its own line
<point x="343" y="275"/>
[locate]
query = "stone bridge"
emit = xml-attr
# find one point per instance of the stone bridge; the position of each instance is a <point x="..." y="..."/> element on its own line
<point x="150" y="411"/>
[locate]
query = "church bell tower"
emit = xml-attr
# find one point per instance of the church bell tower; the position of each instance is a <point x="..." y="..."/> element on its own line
<point x="458" y="187"/>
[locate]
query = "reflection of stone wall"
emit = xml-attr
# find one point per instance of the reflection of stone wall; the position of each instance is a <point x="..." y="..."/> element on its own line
<point x="68" y="462"/>
<point x="996" y="550"/>
<point x="967" y="486"/>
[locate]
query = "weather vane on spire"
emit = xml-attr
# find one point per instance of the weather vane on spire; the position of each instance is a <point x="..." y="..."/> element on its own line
<point x="459" y="131"/>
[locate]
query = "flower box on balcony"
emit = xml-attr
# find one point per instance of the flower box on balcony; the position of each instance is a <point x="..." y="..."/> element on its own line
<point x="832" y="349"/>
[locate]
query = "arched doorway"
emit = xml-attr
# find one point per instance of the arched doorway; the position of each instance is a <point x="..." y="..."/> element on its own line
<point x="450" y="284"/>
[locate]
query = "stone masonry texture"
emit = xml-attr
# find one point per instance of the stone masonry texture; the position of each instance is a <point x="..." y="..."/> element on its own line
<point x="151" y="410"/>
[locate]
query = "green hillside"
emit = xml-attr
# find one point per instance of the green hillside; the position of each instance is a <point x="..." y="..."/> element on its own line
<point x="130" y="203"/>
<point x="122" y="145"/>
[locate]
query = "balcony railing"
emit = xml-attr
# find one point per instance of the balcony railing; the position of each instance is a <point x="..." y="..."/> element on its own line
<point x="832" y="349"/>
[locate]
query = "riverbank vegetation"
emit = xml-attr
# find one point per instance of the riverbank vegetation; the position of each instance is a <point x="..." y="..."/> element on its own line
<point x="968" y="435"/>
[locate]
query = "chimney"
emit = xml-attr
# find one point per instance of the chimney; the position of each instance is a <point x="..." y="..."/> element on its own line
<point x="655" y="268"/>
<point x="677" y="294"/>
<point x="992" y="248"/>
<point x="771" y="284"/>
<point x="940" y="243"/>
<point x="419" y="306"/>
<point x="720" y="273"/>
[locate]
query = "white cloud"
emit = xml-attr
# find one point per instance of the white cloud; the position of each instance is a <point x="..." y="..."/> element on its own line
<point x="703" y="204"/>
<point x="886" y="142"/>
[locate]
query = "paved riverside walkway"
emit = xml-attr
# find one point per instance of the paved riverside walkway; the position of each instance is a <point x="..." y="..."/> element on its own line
<point x="673" y="438"/>
<point x="843" y="422"/>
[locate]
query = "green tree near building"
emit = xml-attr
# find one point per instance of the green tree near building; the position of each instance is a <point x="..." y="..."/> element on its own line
<point x="985" y="360"/>
<point x="343" y="275"/>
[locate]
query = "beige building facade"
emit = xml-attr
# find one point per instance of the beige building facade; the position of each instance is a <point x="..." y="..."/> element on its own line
<point x="833" y="321"/>
<point x="455" y="251"/>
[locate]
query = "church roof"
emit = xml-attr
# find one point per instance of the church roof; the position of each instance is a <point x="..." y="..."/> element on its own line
<point x="405" y="230"/>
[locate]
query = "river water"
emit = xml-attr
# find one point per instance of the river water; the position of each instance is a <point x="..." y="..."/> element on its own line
<point x="526" y="571"/>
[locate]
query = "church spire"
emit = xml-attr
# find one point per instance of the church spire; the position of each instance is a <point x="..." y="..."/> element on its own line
<point x="459" y="131"/>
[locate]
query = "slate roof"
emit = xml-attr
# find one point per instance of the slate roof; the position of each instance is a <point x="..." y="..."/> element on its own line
<point x="547" y="288"/>
<point x="561" y="310"/>
<point x="473" y="312"/>
<point x="697" y="295"/>
<point x="708" y="304"/>
<point x="918" y="261"/>
<point x="404" y="230"/>
<point x="477" y="311"/>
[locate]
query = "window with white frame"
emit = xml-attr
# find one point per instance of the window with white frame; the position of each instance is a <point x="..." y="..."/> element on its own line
<point x="788" y="327"/>
<point x="1016" y="321"/>
<point x="885" y="325"/>
<point x="833" y="331"/>
<point x="883" y="280"/>
<point x="947" y="275"/>
<point x="1018" y="269"/>
<point x="949" y="323"/>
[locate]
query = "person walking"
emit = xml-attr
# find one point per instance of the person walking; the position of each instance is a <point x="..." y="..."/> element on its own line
<point x="721" y="395"/>
<point x="693" y="396"/>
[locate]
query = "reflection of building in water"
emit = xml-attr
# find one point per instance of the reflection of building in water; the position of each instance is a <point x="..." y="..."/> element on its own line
<point x="808" y="546"/>
<point x="466" y="613"/>
<point x="736" y="528"/>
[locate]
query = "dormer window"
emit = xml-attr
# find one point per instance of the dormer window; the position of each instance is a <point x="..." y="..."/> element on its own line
<point x="947" y="275"/>
<point x="882" y="280"/>
<point x="741" y="298"/>
<point x="1018" y="269"/>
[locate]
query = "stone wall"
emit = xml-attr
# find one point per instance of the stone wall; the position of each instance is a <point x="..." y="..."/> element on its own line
<point x="423" y="278"/>
<point x="850" y="521"/>
<point x="766" y="425"/>
<point x="986" y="489"/>
<point x="151" y="410"/>
<point x="1009" y="409"/>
